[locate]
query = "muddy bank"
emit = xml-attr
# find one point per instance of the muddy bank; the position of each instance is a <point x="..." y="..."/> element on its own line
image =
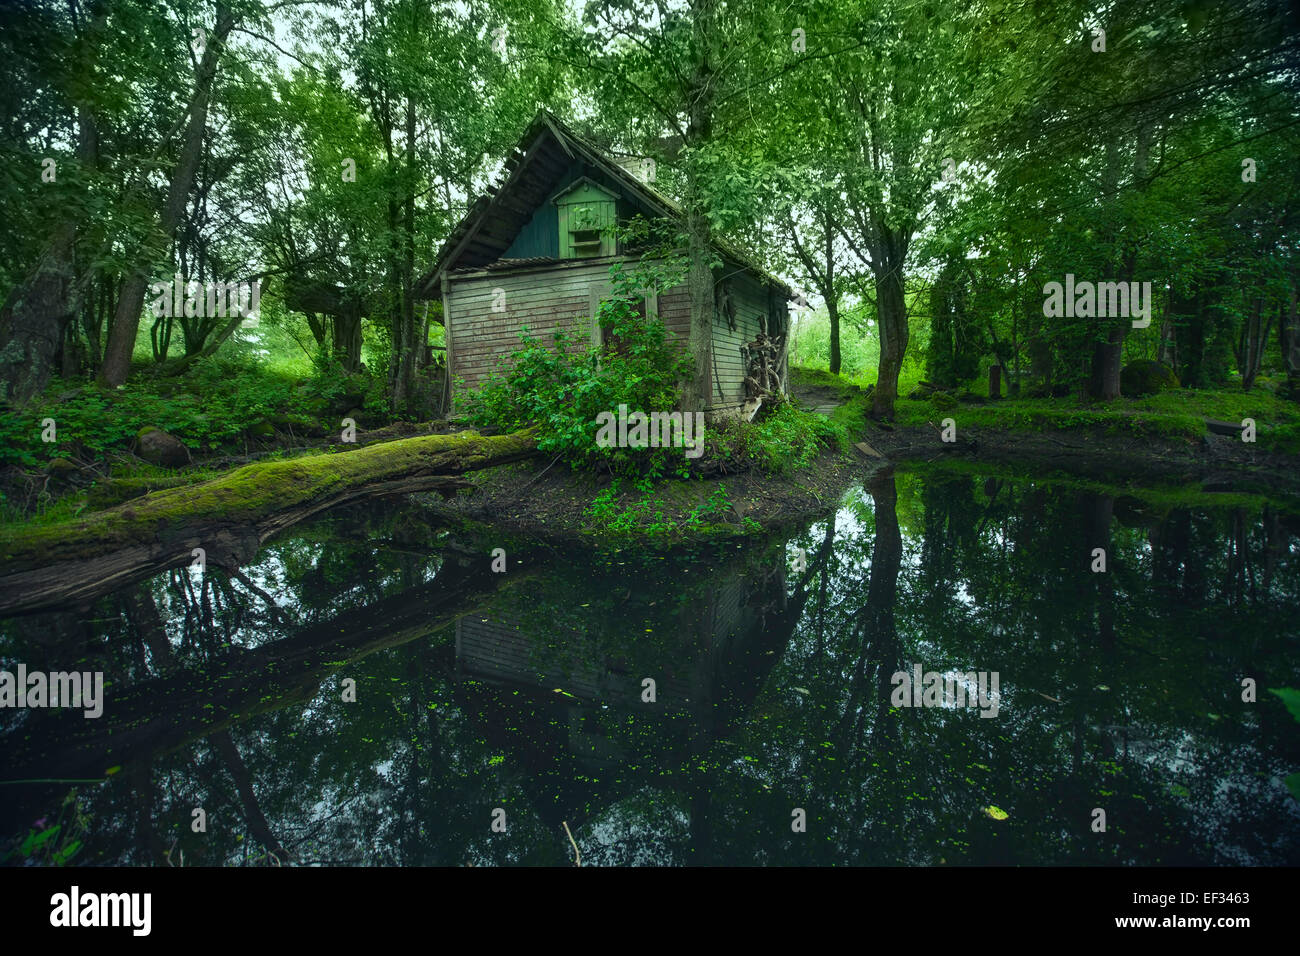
<point x="537" y="497"/>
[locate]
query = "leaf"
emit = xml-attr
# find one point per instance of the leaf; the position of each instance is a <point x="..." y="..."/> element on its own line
<point x="995" y="813"/>
<point x="1291" y="697"/>
<point x="1293" y="784"/>
<point x="36" y="840"/>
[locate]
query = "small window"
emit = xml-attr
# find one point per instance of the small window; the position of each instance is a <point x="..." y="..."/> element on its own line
<point x="586" y="242"/>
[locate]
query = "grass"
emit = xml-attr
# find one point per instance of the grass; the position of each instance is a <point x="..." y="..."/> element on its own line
<point x="1176" y="414"/>
<point x="1162" y="498"/>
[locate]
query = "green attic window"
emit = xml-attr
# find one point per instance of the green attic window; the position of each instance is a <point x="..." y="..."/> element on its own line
<point x="587" y="214"/>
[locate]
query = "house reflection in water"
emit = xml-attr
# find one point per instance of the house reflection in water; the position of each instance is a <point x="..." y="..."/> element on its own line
<point x="569" y="706"/>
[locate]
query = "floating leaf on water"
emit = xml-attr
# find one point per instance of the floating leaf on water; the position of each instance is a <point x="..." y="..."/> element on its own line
<point x="1291" y="697"/>
<point x="112" y="770"/>
<point x="995" y="813"/>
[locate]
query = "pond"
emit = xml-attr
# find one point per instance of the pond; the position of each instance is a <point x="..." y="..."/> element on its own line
<point x="371" y="691"/>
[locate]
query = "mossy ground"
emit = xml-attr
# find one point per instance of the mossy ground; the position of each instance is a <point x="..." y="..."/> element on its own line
<point x="1173" y="414"/>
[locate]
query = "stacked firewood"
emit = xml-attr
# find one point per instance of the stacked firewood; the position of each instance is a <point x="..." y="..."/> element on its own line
<point x="764" y="359"/>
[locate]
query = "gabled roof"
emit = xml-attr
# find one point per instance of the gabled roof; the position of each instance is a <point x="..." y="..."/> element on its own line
<point x="533" y="174"/>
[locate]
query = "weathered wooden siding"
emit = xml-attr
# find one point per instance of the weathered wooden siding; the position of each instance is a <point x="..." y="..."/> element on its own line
<point x="543" y="299"/>
<point x="675" y="311"/>
<point x="751" y="303"/>
<point x="563" y="296"/>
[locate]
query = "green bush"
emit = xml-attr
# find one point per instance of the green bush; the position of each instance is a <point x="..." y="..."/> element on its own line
<point x="783" y="441"/>
<point x="564" y="388"/>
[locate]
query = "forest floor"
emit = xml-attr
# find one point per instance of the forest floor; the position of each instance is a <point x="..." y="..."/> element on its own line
<point x="1160" y="442"/>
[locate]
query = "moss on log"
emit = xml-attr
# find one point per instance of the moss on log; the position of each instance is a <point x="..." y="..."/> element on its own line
<point x="229" y="516"/>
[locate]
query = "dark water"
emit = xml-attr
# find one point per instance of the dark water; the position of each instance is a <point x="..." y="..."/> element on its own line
<point x="478" y="692"/>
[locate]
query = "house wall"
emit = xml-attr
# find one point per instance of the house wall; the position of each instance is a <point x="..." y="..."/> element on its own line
<point x="751" y="304"/>
<point x="564" y="296"/>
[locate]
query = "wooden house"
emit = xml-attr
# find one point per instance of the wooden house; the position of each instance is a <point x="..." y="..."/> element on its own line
<point x="536" y="252"/>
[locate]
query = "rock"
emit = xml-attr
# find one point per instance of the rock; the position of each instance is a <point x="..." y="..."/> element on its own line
<point x="1146" y="377"/>
<point x="62" y="467"/>
<point x="943" y="400"/>
<point x="158" y="448"/>
<point x="920" y="393"/>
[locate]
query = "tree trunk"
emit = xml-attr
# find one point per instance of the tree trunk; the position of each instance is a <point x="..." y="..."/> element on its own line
<point x="698" y="393"/>
<point x="833" y="311"/>
<point x="891" y="314"/>
<point x="130" y="303"/>
<point x="1107" y="356"/>
<point x="411" y="346"/>
<point x="35" y="319"/>
<point x="1289" y="332"/>
<point x="229" y="516"/>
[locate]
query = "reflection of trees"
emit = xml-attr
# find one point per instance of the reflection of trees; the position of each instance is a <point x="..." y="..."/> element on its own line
<point x="875" y="632"/>
<point x="1109" y="684"/>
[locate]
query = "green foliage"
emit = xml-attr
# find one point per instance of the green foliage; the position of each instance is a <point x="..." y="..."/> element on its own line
<point x="1291" y="698"/>
<point x="563" y="389"/>
<point x="216" y="402"/>
<point x="641" y="512"/>
<point x="956" y="339"/>
<point x="783" y="441"/>
<point x="53" y="843"/>
<point x="1146" y="377"/>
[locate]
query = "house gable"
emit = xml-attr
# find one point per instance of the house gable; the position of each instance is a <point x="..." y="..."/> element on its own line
<point x="543" y="235"/>
<point x="516" y="220"/>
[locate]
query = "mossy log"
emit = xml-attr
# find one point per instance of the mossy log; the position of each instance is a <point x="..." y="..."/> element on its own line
<point x="229" y="517"/>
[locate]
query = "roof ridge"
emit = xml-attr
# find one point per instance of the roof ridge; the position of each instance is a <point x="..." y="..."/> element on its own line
<point x="546" y="121"/>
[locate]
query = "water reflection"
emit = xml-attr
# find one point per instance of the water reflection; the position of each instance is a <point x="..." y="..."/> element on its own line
<point x="369" y="691"/>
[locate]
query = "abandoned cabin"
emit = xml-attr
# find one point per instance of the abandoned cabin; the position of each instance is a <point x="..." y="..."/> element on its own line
<point x="541" y="244"/>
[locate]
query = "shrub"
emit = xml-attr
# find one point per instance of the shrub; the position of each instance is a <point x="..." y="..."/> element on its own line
<point x="563" y="389"/>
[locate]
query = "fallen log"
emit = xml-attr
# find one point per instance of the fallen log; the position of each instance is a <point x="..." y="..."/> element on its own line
<point x="228" y="517"/>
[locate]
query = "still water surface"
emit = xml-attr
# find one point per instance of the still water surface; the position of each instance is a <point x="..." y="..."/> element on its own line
<point x="520" y="698"/>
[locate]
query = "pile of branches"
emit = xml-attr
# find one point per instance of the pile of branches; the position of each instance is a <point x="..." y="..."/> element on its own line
<point x="763" y="360"/>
